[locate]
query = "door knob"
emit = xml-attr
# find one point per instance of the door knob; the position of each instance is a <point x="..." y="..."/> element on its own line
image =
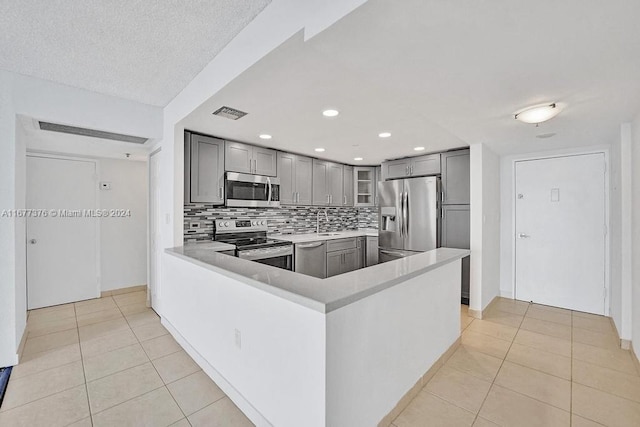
<point x="523" y="236"/>
<point x="33" y="241"/>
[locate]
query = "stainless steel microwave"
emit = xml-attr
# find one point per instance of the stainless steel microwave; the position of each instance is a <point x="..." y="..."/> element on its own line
<point x="255" y="191"/>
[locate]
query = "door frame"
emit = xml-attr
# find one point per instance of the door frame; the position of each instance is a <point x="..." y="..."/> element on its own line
<point x="150" y="231"/>
<point x="607" y="196"/>
<point x="96" y="201"/>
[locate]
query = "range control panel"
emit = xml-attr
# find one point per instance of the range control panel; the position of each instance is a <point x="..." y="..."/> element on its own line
<point x="241" y="225"/>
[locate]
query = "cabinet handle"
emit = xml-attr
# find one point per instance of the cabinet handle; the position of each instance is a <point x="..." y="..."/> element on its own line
<point x="411" y="170"/>
<point x="443" y="196"/>
<point x="327" y="199"/>
<point x="345" y="199"/>
<point x="330" y="198"/>
<point x="220" y="190"/>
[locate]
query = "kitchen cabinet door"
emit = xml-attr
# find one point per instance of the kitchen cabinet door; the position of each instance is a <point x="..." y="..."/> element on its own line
<point x="320" y="191"/>
<point x="335" y="263"/>
<point x="456" y="231"/>
<point x="304" y="180"/>
<point x="455" y="178"/>
<point x="372" y="251"/>
<point x="287" y="176"/>
<point x="396" y="169"/>
<point x="378" y="179"/>
<point x="264" y="161"/>
<point x="335" y="184"/>
<point x="347" y="185"/>
<point x="425" y="165"/>
<point x="238" y="157"/>
<point x="350" y="260"/>
<point x="361" y="248"/>
<point x="364" y="186"/>
<point x="206" y="169"/>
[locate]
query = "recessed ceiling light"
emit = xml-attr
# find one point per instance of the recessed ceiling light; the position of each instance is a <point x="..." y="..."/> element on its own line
<point x="419" y="148"/>
<point x="265" y="136"/>
<point x="538" y="114"/>
<point x="330" y="113"/>
<point x="319" y="150"/>
<point x="357" y="158"/>
<point x="384" y="134"/>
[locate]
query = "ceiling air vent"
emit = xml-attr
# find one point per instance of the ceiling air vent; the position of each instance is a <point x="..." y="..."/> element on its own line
<point x="229" y="113"/>
<point x="54" y="127"/>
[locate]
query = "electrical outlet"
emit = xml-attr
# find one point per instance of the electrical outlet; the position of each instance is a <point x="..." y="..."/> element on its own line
<point x="105" y="185"/>
<point x="194" y="224"/>
<point x="238" y="338"/>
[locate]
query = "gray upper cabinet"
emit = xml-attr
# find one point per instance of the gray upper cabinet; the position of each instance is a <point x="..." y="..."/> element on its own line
<point x="327" y="183"/>
<point x="378" y="179"/>
<point x="295" y="174"/>
<point x="455" y="177"/>
<point x="204" y="169"/>
<point x="365" y="184"/>
<point x="320" y="193"/>
<point x="335" y="184"/>
<point x="347" y="185"/>
<point x="411" y="167"/>
<point x="245" y="158"/>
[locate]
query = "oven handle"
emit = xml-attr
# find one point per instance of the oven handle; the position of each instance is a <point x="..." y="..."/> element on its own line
<point x="269" y="184"/>
<point x="272" y="253"/>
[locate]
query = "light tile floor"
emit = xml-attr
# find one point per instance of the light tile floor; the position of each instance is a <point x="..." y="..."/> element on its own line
<point x="109" y="362"/>
<point x="531" y="365"/>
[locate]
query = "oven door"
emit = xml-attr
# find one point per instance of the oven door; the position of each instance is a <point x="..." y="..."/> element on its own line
<point x="246" y="190"/>
<point x="279" y="256"/>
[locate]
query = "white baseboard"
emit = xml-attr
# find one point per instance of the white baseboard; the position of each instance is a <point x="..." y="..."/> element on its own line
<point x="243" y="404"/>
<point x="506" y="293"/>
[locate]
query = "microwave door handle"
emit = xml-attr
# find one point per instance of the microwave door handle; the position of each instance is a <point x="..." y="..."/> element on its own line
<point x="269" y="186"/>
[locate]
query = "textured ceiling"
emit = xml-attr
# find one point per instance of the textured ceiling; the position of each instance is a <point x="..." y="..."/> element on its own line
<point x="143" y="50"/>
<point x="442" y="75"/>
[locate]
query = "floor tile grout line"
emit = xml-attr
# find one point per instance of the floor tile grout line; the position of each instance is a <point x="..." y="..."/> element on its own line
<point x="500" y="368"/>
<point x="86" y="387"/>
<point x="154" y="366"/>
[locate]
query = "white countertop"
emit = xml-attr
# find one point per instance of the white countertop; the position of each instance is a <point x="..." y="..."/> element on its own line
<point x="313" y="237"/>
<point x="323" y="295"/>
<point x="210" y="245"/>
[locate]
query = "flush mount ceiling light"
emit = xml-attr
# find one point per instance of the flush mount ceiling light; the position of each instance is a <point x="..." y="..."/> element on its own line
<point x="319" y="150"/>
<point x="265" y="136"/>
<point x="357" y="158"/>
<point x="419" y="148"/>
<point x="330" y="113"/>
<point x="538" y="113"/>
<point x="384" y="134"/>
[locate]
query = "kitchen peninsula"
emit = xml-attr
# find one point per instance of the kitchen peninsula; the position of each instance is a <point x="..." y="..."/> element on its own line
<point x="294" y="350"/>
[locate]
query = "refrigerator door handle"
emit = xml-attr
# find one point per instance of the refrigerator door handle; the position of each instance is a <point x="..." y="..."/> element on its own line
<point x="406" y="213"/>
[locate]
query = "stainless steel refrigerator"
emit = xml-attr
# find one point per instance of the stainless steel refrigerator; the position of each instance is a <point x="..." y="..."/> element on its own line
<point x="409" y="217"/>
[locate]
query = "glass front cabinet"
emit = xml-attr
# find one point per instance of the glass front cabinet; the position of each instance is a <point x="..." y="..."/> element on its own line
<point x="364" y="186"/>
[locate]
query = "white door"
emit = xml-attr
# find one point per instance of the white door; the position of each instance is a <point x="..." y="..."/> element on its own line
<point x="62" y="246"/>
<point x="560" y="232"/>
<point x="154" y="227"/>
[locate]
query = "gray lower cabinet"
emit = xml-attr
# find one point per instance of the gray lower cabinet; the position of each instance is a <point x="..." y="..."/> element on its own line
<point x="295" y="174"/>
<point x="456" y="234"/>
<point x="342" y="256"/>
<point x="311" y="259"/>
<point x="203" y="169"/>
<point x="245" y="158"/>
<point x="340" y="262"/>
<point x="455" y="177"/>
<point x="361" y="256"/>
<point x="371" y="251"/>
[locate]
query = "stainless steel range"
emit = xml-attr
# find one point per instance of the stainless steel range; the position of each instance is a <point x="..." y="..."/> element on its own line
<point x="252" y="243"/>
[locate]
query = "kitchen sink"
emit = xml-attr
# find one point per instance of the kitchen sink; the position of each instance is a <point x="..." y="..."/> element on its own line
<point x="328" y="234"/>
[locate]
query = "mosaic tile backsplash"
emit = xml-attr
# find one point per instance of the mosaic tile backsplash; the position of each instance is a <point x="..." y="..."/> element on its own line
<point x="284" y="220"/>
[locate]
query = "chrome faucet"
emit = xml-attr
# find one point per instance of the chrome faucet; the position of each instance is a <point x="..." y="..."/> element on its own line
<point x="326" y="217"/>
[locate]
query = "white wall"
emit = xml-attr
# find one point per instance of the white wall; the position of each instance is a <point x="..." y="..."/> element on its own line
<point x="123" y="241"/>
<point x="278" y="372"/>
<point x="380" y="346"/>
<point x="635" y="235"/>
<point x="485" y="227"/>
<point x="26" y="96"/>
